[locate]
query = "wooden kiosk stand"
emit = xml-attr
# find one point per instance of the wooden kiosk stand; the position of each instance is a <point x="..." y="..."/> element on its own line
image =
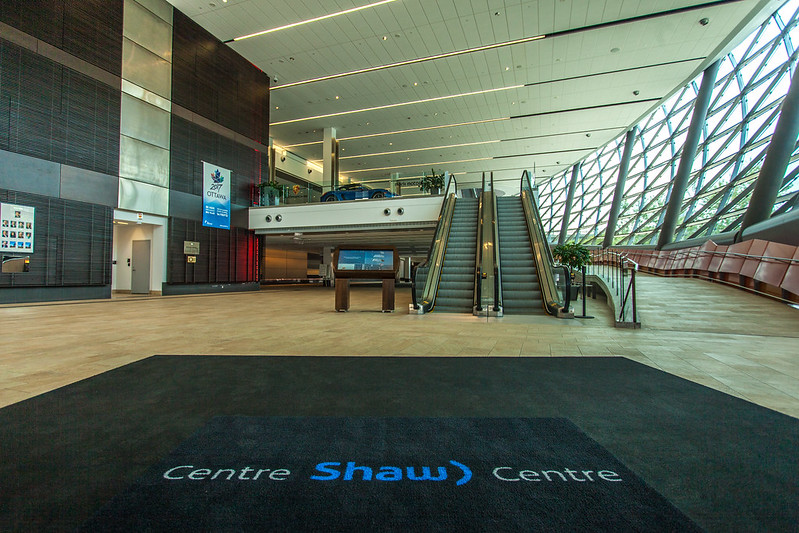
<point x="365" y="262"/>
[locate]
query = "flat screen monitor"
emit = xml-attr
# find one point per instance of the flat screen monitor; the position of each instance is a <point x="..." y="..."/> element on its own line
<point x="365" y="260"/>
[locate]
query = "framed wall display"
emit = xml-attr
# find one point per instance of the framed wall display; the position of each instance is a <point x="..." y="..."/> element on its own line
<point x="16" y="228"/>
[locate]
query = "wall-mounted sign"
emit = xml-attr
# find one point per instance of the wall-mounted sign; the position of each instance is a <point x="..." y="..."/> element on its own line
<point x="191" y="248"/>
<point x="191" y="259"/>
<point x="16" y="228"/>
<point x="216" y="196"/>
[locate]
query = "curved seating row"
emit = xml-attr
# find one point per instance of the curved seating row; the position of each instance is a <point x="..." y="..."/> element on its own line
<point x="763" y="266"/>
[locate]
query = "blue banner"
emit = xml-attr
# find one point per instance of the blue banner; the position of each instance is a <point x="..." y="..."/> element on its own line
<point x="216" y="196"/>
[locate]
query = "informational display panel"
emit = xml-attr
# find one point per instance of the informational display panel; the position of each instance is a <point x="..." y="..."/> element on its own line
<point x="365" y="262"/>
<point x="366" y="259"/>
<point x="16" y="228"/>
<point x="216" y="196"/>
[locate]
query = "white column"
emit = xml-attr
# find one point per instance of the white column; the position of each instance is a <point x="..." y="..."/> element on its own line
<point x="330" y="159"/>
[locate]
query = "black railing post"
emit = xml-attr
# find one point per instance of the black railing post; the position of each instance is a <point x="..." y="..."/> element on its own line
<point x="632" y="280"/>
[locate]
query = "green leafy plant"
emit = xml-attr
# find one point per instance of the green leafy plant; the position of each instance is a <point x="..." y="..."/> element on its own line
<point x="432" y="182"/>
<point x="269" y="192"/>
<point x="574" y="255"/>
<point x="269" y="187"/>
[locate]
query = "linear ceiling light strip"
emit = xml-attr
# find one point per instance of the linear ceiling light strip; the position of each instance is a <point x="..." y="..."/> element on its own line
<point x="436" y="163"/>
<point x="399" y="104"/>
<point x="587" y="108"/>
<point x="412" y="130"/>
<point x="525" y="40"/>
<point x="411" y="61"/>
<point x="316" y="19"/>
<point x="546" y="153"/>
<point x="421" y="149"/>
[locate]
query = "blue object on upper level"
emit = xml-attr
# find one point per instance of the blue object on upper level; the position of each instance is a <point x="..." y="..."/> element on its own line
<point x="355" y="191"/>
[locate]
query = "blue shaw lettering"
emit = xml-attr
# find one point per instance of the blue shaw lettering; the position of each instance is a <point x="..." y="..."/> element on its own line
<point x="330" y="471"/>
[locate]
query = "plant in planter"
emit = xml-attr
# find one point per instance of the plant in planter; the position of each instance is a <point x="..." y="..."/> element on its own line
<point x="269" y="192"/>
<point x="432" y="183"/>
<point x="576" y="256"/>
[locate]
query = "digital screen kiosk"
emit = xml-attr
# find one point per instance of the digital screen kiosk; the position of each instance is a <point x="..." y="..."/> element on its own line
<point x="365" y="262"/>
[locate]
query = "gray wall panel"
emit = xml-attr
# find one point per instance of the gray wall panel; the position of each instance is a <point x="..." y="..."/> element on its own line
<point x="87" y="186"/>
<point x="148" y="30"/>
<point x="146" y="69"/>
<point x="29" y="174"/>
<point x="143" y="197"/>
<point x="145" y="122"/>
<point x="52" y="294"/>
<point x="143" y="162"/>
<point x="160" y="7"/>
<point x="185" y="205"/>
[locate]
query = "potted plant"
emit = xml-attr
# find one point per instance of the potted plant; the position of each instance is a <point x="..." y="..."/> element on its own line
<point x="269" y="192"/>
<point x="576" y="256"/>
<point x="432" y="183"/>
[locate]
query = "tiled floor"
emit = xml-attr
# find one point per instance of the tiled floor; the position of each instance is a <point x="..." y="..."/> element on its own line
<point x="721" y="337"/>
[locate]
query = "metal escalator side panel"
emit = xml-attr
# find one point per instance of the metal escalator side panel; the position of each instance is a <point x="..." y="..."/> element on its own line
<point x="478" y="254"/>
<point x="498" y="305"/>
<point x="437" y="252"/>
<point x="543" y="257"/>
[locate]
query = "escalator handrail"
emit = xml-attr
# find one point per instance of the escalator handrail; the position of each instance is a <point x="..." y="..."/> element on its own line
<point x="477" y="301"/>
<point x="497" y="269"/>
<point x="438" y="245"/>
<point x="542" y="253"/>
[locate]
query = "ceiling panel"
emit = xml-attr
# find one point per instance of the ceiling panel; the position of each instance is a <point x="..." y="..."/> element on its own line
<point x="582" y="79"/>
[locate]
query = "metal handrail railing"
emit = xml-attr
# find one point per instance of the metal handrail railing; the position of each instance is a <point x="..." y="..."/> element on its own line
<point x="435" y="255"/>
<point x="542" y="254"/>
<point x="612" y="266"/>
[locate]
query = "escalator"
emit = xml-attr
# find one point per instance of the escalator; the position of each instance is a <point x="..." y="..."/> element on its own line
<point x="456" y="286"/>
<point x="554" y="298"/>
<point x="521" y="291"/>
<point x="445" y="281"/>
<point x="490" y="256"/>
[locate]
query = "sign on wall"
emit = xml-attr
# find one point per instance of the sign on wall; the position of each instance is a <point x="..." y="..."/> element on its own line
<point x="16" y="228"/>
<point x="216" y="196"/>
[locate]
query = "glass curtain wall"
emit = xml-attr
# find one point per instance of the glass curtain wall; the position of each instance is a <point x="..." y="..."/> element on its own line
<point x="752" y="81"/>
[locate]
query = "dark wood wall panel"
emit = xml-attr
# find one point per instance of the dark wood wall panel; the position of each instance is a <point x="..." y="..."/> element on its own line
<point x="54" y="113"/>
<point x="88" y="29"/>
<point x="212" y="80"/>
<point x="72" y="243"/>
<point x="192" y="144"/>
<point x="225" y="256"/>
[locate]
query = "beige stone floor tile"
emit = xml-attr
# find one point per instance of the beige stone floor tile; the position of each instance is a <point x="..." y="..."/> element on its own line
<point x="740" y="344"/>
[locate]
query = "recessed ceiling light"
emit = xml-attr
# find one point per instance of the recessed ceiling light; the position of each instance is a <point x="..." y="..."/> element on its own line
<point x="507" y="68"/>
<point x="415" y="84"/>
<point x="337" y="97"/>
<point x="385" y="37"/>
<point x="316" y="19"/>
